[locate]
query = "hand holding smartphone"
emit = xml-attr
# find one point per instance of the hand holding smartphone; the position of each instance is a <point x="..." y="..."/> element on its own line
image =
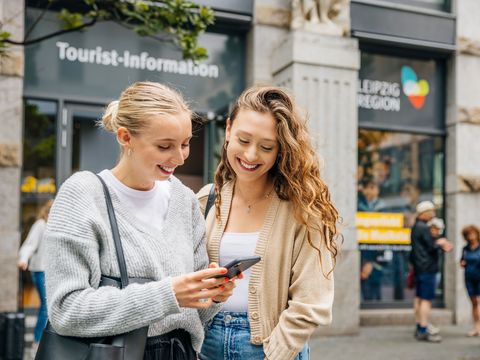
<point x="239" y="265"/>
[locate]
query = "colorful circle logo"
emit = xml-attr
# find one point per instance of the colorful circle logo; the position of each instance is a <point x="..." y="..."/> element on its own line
<point x="416" y="90"/>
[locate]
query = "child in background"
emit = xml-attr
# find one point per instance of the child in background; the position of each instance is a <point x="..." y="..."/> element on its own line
<point x="437" y="226"/>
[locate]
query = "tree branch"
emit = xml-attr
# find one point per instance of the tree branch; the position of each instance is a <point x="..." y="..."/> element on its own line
<point x="37" y="20"/>
<point x="60" y="32"/>
<point x="164" y="39"/>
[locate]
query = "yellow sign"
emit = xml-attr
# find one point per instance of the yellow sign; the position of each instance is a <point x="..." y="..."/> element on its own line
<point x="382" y="228"/>
<point x="379" y="220"/>
<point x="383" y="236"/>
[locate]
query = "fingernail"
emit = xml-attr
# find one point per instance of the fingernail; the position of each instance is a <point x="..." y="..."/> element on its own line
<point x="227" y="279"/>
<point x="224" y="271"/>
<point x="222" y="287"/>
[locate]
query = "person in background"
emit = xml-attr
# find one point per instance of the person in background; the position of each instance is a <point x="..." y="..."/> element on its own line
<point x="425" y="258"/>
<point x="437" y="227"/>
<point x="32" y="257"/>
<point x="470" y="261"/>
<point x="370" y="200"/>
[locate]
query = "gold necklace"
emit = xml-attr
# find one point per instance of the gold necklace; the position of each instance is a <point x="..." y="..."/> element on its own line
<point x="266" y="196"/>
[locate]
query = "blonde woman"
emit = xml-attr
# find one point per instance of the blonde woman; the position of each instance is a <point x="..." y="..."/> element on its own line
<point x="31" y="256"/>
<point x="161" y="230"/>
<point x="270" y="202"/>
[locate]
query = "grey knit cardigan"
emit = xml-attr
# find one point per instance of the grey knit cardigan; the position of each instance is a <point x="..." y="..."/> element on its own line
<point x="80" y="248"/>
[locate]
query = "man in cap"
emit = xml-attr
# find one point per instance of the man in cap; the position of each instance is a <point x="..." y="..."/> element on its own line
<point x="425" y="258"/>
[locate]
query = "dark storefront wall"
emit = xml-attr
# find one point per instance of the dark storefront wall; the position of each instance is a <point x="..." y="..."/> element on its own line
<point x="401" y="162"/>
<point x="426" y="25"/>
<point x="100" y="62"/>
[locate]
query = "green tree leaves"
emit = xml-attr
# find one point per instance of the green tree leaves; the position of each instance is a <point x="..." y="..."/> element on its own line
<point x="177" y="21"/>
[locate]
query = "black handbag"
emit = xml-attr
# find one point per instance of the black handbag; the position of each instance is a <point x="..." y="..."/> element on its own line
<point x="127" y="346"/>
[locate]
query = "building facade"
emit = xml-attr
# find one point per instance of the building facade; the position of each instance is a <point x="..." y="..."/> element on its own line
<point x="387" y="85"/>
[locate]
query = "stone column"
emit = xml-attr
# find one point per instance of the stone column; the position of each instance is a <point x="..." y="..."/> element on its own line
<point x="322" y="72"/>
<point x="463" y="150"/>
<point x="11" y="88"/>
<point x="270" y="25"/>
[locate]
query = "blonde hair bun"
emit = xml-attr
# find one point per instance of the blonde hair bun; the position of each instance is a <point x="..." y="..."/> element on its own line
<point x="109" y="118"/>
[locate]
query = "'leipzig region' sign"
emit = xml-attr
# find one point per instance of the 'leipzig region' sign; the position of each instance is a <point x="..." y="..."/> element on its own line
<point x="397" y="93"/>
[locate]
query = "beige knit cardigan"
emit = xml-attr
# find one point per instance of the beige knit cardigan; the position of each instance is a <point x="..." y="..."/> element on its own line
<point x="289" y="294"/>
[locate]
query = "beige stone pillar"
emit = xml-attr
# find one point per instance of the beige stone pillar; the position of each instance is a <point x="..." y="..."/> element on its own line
<point x="11" y="89"/>
<point x="463" y="150"/>
<point x="322" y="73"/>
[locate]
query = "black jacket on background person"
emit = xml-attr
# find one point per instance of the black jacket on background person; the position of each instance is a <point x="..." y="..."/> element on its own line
<point x="425" y="253"/>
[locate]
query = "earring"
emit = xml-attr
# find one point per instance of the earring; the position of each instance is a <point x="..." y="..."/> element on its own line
<point x="129" y="152"/>
<point x="225" y="144"/>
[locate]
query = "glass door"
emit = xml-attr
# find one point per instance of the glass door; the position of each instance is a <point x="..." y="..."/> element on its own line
<point x="395" y="172"/>
<point x="82" y="144"/>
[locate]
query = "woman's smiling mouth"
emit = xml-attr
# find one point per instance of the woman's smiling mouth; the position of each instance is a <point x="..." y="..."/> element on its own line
<point x="167" y="170"/>
<point x="247" y="166"/>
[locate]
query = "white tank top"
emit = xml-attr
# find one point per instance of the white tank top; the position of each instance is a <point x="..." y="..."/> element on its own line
<point x="233" y="246"/>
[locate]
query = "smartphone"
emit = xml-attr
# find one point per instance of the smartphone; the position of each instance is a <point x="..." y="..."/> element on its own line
<point x="239" y="265"/>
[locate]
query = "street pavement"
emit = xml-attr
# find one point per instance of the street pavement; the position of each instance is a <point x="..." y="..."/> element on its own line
<point x="396" y="343"/>
<point x="389" y="343"/>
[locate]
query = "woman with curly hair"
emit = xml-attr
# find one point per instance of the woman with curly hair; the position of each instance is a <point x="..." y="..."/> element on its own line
<point x="471" y="262"/>
<point x="271" y="202"/>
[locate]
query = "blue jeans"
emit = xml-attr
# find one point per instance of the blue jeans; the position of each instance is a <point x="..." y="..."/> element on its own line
<point x="227" y="337"/>
<point x="38" y="278"/>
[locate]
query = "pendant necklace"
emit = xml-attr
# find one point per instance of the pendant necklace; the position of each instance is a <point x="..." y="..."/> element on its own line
<point x="266" y="196"/>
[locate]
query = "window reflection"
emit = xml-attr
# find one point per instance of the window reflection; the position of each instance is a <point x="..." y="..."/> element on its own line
<point x="395" y="172"/>
<point x="38" y="172"/>
<point x="38" y="175"/>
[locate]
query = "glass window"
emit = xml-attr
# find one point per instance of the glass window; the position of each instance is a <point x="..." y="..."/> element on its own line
<point x="395" y="172"/>
<point x="39" y="144"/>
<point x="39" y="172"/>
<point x="431" y="4"/>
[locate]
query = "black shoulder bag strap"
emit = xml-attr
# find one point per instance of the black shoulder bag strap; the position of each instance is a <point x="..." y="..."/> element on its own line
<point x="116" y="235"/>
<point x="210" y="200"/>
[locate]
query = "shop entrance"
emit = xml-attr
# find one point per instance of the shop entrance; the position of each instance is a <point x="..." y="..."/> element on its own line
<point x="83" y="145"/>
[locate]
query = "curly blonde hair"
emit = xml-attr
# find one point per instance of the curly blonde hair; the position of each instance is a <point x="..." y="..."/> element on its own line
<point x="296" y="173"/>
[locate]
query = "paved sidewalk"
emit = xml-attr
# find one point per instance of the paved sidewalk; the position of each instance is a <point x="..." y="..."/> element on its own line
<point x="390" y="343"/>
<point x="396" y="343"/>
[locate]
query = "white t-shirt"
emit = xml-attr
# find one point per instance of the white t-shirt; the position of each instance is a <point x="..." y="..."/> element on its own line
<point x="233" y="246"/>
<point x="149" y="206"/>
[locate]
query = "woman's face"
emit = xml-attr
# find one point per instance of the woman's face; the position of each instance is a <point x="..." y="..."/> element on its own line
<point x="252" y="144"/>
<point x="472" y="237"/>
<point x="161" y="147"/>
